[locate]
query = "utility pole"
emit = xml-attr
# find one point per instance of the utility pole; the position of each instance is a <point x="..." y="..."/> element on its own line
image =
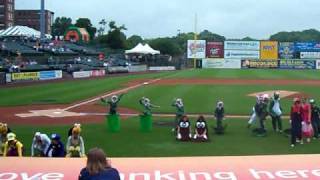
<point x="42" y="20"/>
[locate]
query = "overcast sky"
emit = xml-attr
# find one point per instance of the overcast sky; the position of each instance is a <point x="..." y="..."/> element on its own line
<point x="155" y="18"/>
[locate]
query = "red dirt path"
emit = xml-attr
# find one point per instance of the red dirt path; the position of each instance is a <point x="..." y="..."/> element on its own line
<point x="8" y="114"/>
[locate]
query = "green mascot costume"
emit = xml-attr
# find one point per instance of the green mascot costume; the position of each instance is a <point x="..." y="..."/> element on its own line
<point x="146" y="117"/>
<point x="113" y="120"/>
<point x="178" y="104"/>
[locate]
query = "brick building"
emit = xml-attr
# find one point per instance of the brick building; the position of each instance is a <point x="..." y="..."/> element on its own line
<point x="6" y="13"/>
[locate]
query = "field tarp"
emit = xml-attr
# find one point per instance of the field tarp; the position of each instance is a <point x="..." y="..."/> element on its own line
<point x="183" y="168"/>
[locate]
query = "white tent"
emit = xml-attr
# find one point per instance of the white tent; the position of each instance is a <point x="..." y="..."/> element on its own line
<point x="22" y="31"/>
<point x="142" y="49"/>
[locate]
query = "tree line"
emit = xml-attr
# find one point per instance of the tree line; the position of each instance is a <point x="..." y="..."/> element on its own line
<point x="115" y="37"/>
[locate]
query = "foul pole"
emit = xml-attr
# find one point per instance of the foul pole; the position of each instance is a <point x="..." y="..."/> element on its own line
<point x="195" y="38"/>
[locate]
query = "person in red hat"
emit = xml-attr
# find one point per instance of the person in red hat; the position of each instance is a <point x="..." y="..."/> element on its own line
<point x="296" y="119"/>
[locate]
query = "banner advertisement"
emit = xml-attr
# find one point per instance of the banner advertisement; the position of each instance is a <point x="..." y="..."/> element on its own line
<point x="50" y="75"/>
<point x="297" y="64"/>
<point x="241" y="54"/>
<point x="309" y="55"/>
<point x="269" y="50"/>
<point x="162" y="68"/>
<point x="139" y="68"/>
<point x="118" y="69"/>
<point x="215" y="50"/>
<point x="196" y="49"/>
<point x="242" y="45"/>
<point x="81" y="74"/>
<point x="257" y="64"/>
<point x="179" y="168"/>
<point x="8" y="78"/>
<point x="286" y="50"/>
<point x="318" y="64"/>
<point x="221" y="63"/>
<point x="25" y="76"/>
<point x="98" y="73"/>
<point x="307" y="46"/>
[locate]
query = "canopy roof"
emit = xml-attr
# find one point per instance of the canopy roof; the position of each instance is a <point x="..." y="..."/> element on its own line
<point x="142" y="49"/>
<point x="24" y="31"/>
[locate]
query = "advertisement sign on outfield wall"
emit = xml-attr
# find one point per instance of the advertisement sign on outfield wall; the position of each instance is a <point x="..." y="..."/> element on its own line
<point x="307" y="46"/>
<point x="241" y="54"/>
<point x="98" y="73"/>
<point x="309" y="55"/>
<point x="286" y="50"/>
<point x="258" y="64"/>
<point x="196" y="49"/>
<point x="297" y="64"/>
<point x="162" y="68"/>
<point x="138" y="68"/>
<point x="49" y="75"/>
<point x="242" y="45"/>
<point x="215" y="50"/>
<point x="81" y="74"/>
<point x="269" y="50"/>
<point x="221" y="63"/>
<point x="26" y="76"/>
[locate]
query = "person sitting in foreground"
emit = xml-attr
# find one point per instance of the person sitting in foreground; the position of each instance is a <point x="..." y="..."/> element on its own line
<point x="98" y="167"/>
<point x="75" y="144"/>
<point x="4" y="130"/>
<point x="40" y="145"/>
<point x="13" y="147"/>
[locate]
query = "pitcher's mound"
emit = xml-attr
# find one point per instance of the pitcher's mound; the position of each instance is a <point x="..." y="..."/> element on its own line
<point x="283" y="94"/>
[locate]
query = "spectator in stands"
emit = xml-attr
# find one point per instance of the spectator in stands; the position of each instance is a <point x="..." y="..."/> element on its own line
<point x="75" y="144"/>
<point x="56" y="148"/>
<point x="98" y="167"/>
<point x="4" y="130"/>
<point x="40" y="145"/>
<point x="13" y="147"/>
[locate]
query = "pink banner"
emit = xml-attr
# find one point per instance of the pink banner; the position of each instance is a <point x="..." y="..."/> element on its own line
<point x="184" y="168"/>
<point x="98" y="73"/>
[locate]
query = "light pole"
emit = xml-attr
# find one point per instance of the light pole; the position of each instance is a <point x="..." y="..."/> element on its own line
<point x="42" y="20"/>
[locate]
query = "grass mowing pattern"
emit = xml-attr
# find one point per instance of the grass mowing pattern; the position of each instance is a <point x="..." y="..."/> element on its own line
<point x="161" y="143"/>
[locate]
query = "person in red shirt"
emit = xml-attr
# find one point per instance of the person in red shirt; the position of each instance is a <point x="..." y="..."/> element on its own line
<point x="296" y="119"/>
<point x="306" y="120"/>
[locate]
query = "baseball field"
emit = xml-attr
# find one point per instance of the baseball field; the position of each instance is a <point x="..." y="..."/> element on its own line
<point x="53" y="107"/>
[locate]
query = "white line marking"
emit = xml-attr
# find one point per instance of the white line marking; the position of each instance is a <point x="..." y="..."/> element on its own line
<point x="110" y="94"/>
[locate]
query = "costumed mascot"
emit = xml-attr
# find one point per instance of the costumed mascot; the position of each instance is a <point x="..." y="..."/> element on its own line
<point x="113" y="103"/>
<point x="261" y="110"/>
<point x="76" y="125"/>
<point x="40" y="145"/>
<point x="315" y="120"/>
<point x="178" y="104"/>
<point x="219" y="115"/>
<point x="201" y="130"/>
<point x="254" y="117"/>
<point x="275" y="111"/>
<point x="56" y="148"/>
<point x="146" y="117"/>
<point x="13" y="147"/>
<point x="75" y="144"/>
<point x="4" y="130"/>
<point x="184" y="129"/>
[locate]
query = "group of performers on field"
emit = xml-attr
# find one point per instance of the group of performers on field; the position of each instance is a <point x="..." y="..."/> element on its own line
<point x="304" y="120"/>
<point x="304" y="117"/>
<point x="42" y="145"/>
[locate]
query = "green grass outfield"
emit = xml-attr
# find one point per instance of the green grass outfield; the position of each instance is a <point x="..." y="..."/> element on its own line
<point x="161" y="142"/>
